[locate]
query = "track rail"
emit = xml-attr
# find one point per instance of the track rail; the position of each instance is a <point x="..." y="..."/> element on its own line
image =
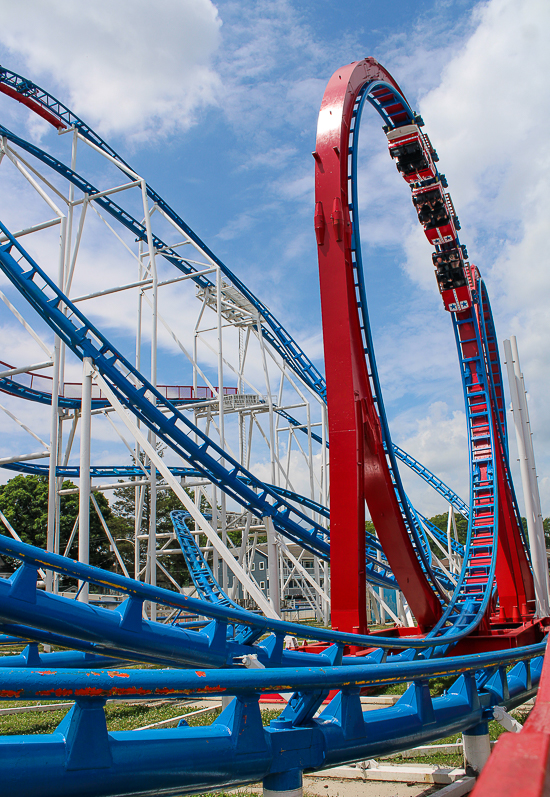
<point x="517" y="754"/>
<point x="47" y="106"/>
<point x="235" y="749"/>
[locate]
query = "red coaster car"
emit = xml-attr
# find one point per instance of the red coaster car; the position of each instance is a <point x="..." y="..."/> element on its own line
<point x="452" y="280"/>
<point x="457" y="299"/>
<point x="436" y="214"/>
<point x="413" y="153"/>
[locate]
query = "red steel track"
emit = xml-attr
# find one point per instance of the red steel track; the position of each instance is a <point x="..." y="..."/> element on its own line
<point x="359" y="468"/>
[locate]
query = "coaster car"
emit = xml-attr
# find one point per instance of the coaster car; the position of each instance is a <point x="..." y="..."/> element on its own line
<point x="436" y="214"/>
<point x="413" y="154"/>
<point x="452" y="280"/>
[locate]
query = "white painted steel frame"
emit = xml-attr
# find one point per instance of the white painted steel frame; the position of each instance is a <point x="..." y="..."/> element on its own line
<point x="259" y="426"/>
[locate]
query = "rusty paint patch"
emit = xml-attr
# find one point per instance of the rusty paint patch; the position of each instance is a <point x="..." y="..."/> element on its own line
<point x="115" y="674"/>
<point x="206" y="689"/>
<point x="56" y="692"/>
<point x="46" y="672"/>
<point x="89" y="691"/>
<point x="200" y="673"/>
<point x="10" y="693"/>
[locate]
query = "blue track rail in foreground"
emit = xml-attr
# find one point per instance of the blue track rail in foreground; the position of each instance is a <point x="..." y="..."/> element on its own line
<point x="105" y="632"/>
<point x="82" y="758"/>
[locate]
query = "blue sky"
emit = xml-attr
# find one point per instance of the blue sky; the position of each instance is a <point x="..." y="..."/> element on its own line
<point x="216" y="105"/>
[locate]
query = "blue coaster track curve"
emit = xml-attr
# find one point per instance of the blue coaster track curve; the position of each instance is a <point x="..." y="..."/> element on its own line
<point x="82" y="757"/>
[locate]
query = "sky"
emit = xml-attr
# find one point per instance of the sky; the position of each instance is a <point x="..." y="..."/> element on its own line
<point x="216" y="105"/>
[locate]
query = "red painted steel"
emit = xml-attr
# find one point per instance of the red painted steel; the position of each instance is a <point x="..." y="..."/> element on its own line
<point x="513" y="574"/>
<point x="73" y="390"/>
<point x="34" y="106"/>
<point x="520" y="763"/>
<point x="359" y="468"/>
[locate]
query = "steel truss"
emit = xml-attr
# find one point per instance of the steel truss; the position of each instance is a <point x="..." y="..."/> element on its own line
<point x="251" y="417"/>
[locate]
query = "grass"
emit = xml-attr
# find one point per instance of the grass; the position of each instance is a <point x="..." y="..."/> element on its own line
<point x="119" y="716"/>
<point x="456" y="759"/>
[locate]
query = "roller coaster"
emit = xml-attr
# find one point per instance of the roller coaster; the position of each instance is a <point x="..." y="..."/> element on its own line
<point x="480" y="611"/>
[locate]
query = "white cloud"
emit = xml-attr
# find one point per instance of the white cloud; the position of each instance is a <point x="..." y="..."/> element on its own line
<point x="130" y="67"/>
<point x="438" y="441"/>
<point x="275" y="66"/>
<point x="486" y="119"/>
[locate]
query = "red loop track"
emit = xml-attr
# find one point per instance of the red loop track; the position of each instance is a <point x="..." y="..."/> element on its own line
<point x="359" y="468"/>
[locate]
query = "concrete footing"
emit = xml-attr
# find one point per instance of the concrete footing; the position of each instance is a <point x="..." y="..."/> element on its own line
<point x="284" y="784"/>
<point x="477" y="749"/>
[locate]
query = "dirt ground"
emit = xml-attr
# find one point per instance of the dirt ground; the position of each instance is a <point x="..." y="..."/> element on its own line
<point x="318" y="787"/>
<point x="359" y="788"/>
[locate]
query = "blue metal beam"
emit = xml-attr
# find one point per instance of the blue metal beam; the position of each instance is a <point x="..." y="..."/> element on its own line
<point x="21" y="602"/>
<point x="82" y="758"/>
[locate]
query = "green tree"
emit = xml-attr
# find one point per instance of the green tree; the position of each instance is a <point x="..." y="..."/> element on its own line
<point x="461" y="525"/>
<point x="123" y="509"/>
<point x="24" y="502"/>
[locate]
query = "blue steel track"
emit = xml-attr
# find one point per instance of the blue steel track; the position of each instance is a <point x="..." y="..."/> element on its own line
<point x="82" y="757"/>
<point x="303" y="371"/>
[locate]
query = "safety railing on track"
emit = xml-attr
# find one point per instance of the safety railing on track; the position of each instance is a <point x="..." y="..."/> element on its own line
<point x="235" y="749"/>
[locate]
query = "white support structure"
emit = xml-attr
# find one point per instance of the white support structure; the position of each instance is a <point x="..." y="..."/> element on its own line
<point x="85" y="455"/>
<point x="508" y="722"/>
<point x="239" y="384"/>
<point x="186" y="500"/>
<point x="531" y="495"/>
<point x="383" y="607"/>
<point x="477" y="749"/>
<point x="273" y="567"/>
